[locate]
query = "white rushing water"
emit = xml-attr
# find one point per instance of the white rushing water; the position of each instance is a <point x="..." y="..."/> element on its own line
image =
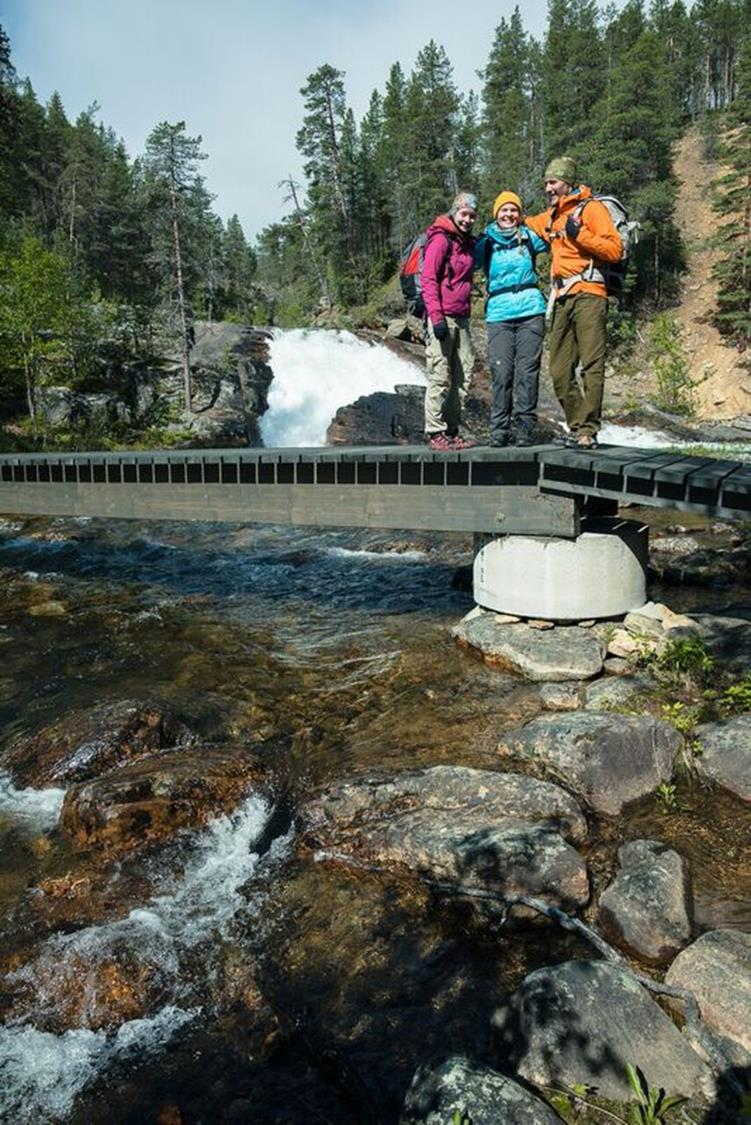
<point x="318" y="370"/>
<point x="40" y="1073"/>
<point x="35" y="810"/>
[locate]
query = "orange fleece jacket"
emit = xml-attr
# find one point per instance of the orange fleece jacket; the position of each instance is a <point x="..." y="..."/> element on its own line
<point x="597" y="239"/>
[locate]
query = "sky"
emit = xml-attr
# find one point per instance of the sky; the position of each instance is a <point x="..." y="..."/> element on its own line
<point x="233" y="70"/>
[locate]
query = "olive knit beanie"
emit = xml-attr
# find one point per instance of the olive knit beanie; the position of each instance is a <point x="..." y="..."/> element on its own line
<point x="562" y="168"/>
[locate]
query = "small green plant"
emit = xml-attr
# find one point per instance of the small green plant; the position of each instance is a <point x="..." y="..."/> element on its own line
<point x="736" y="697"/>
<point x="683" y="657"/>
<point x="680" y="716"/>
<point x="461" y="1117"/>
<point x="667" y="796"/>
<point x="670" y="366"/>
<point x="652" y="1104"/>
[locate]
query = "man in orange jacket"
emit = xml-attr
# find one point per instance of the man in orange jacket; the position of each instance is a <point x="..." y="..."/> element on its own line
<point x="580" y="238"/>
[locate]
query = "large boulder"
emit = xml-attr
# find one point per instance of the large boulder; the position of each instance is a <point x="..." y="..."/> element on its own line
<point x="582" y="1021"/>
<point x="84" y="744"/>
<point x="726" y="754"/>
<point x="606" y="759"/>
<point x="562" y="653"/>
<point x="489" y="1098"/>
<point x="150" y="800"/>
<point x="717" y="969"/>
<point x="645" y="910"/>
<point x="501" y="831"/>
<point x="381" y="418"/>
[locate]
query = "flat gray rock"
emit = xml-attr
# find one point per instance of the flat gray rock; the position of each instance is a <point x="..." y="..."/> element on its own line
<point x="606" y="759"/>
<point x="717" y="969"/>
<point x="560" y="697"/>
<point x="611" y="692"/>
<point x="563" y="653"/>
<point x="501" y="831"/>
<point x="582" y="1021"/>
<point x="488" y="1097"/>
<point x="645" y="909"/>
<point x="728" y="639"/>
<point x="726" y="754"/>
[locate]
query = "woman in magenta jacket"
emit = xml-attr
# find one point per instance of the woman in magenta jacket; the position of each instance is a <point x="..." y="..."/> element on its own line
<point x="446" y="280"/>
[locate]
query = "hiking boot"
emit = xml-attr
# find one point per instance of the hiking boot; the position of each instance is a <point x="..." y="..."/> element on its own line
<point x="565" y="441"/>
<point x="524" y="440"/>
<point x="461" y="443"/>
<point x="587" y="441"/>
<point x="441" y="442"/>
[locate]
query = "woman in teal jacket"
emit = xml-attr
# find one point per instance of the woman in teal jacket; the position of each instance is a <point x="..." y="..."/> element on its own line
<point x="515" y="314"/>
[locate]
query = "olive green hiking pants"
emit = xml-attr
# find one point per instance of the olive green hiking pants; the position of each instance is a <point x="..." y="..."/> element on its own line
<point x="448" y="366"/>
<point x="577" y="336"/>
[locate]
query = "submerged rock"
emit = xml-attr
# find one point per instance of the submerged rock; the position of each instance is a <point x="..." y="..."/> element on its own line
<point x="489" y="1098"/>
<point x="582" y="1021"/>
<point x="717" y="969"/>
<point x="150" y="800"/>
<point x="726" y="754"/>
<point x="475" y="827"/>
<point x="562" y="653"/>
<point x="84" y="744"/>
<point x="606" y="759"/>
<point x="645" y="908"/>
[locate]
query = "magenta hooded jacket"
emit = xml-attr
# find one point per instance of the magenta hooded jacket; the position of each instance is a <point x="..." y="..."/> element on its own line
<point x="447" y="269"/>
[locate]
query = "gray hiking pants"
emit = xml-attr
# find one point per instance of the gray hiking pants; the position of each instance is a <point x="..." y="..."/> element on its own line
<point x="514" y="354"/>
<point x="449" y="365"/>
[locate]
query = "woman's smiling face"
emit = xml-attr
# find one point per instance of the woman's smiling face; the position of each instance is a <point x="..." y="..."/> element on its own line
<point x="508" y="216"/>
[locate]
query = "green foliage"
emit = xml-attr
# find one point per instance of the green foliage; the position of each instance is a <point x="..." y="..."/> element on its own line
<point x="671" y="368"/>
<point x="736" y="697"/>
<point x="686" y="656"/>
<point x="667" y="796"/>
<point x="461" y="1117"/>
<point x="733" y="202"/>
<point x="652" y="1104"/>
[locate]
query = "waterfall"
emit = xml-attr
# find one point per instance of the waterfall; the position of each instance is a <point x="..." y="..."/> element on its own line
<point x="318" y="370"/>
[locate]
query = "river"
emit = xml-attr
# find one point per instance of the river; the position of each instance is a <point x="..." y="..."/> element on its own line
<point x="276" y="989"/>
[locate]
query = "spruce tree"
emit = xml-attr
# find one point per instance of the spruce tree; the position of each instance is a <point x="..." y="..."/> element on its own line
<point x="733" y="202"/>
<point x="506" y="114"/>
<point x="172" y="183"/>
<point x="430" y="127"/>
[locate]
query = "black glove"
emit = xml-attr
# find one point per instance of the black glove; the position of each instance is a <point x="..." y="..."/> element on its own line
<point x="573" y="226"/>
<point x="441" y="330"/>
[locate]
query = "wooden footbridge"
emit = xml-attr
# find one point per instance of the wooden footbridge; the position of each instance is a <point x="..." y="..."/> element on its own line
<point x="543" y="490"/>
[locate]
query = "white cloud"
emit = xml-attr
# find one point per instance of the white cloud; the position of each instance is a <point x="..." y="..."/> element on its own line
<point x="233" y="70"/>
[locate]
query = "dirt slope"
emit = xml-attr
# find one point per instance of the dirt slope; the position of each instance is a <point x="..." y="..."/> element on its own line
<point x="723" y="388"/>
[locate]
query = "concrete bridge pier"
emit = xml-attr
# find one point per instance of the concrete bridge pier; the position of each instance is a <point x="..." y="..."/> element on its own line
<point x="601" y="572"/>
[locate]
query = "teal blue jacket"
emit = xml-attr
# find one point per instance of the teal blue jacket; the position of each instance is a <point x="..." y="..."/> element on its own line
<point x="508" y="260"/>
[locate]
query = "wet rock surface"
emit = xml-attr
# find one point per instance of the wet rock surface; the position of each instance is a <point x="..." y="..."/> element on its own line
<point x="645" y="910"/>
<point x="607" y="760"/>
<point x="559" y="654"/>
<point x="459" y="1085"/>
<point x="150" y="800"/>
<point x="84" y="744"/>
<point x="560" y="1030"/>
<point x="463" y="826"/>
<point x="716" y="968"/>
<point x="726" y="754"/>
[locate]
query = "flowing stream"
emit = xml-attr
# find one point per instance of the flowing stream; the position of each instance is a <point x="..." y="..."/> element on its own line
<point x="329" y="651"/>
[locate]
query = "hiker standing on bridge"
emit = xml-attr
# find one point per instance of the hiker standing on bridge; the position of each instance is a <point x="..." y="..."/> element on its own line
<point x="515" y="314"/>
<point x="582" y="238"/>
<point x="446" y="279"/>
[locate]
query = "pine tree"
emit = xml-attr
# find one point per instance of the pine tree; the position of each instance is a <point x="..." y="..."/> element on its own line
<point x="733" y="202"/>
<point x="572" y="77"/>
<point x="430" y="127"/>
<point x="173" y="183"/>
<point x="506" y="116"/>
<point x="400" y="204"/>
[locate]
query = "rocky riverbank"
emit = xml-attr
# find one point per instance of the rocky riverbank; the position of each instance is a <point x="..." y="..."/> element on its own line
<point x="412" y="849"/>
